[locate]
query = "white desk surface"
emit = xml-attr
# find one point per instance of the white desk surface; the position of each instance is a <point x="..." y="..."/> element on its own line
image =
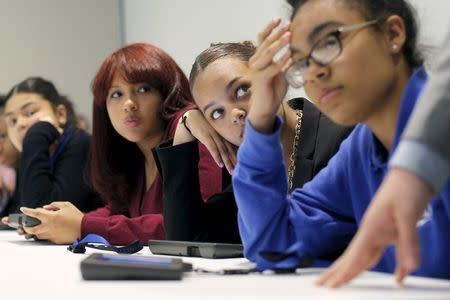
<point x="32" y="270"/>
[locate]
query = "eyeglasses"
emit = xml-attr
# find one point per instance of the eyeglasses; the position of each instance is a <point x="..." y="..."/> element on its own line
<point x="322" y="53"/>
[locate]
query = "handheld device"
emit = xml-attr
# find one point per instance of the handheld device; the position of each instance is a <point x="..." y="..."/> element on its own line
<point x="196" y="249"/>
<point x="22" y="220"/>
<point x="100" y="266"/>
<point x="5" y="227"/>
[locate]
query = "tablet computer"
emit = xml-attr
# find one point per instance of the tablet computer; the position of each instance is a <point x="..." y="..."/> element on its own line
<point x="100" y="266"/>
<point x="195" y="249"/>
<point x="22" y="220"/>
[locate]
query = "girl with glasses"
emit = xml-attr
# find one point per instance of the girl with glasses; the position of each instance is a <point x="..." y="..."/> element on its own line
<point x="358" y="62"/>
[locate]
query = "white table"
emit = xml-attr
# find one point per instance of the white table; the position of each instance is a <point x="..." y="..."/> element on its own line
<point x="33" y="270"/>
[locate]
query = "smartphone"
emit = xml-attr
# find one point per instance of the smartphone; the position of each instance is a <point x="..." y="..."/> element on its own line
<point x="22" y="220"/>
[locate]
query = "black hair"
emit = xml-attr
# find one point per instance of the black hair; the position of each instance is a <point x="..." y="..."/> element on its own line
<point x="378" y="9"/>
<point x="243" y="51"/>
<point x="47" y="90"/>
<point x="2" y="101"/>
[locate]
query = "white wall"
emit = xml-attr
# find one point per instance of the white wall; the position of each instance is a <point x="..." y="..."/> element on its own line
<point x="65" y="40"/>
<point x="186" y="27"/>
<point x="61" y="40"/>
<point x="434" y="20"/>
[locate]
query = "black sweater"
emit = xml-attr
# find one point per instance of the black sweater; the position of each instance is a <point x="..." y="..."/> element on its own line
<point x="38" y="185"/>
<point x="187" y="217"/>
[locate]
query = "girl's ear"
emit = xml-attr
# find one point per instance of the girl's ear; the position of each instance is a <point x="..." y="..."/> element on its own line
<point x="61" y="115"/>
<point x="395" y="33"/>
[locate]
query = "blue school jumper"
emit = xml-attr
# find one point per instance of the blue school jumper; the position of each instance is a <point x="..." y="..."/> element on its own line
<point x="321" y="218"/>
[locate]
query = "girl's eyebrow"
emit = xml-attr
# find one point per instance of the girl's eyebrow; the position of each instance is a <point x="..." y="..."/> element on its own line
<point x="21" y="108"/>
<point x="231" y="83"/>
<point x="320" y="28"/>
<point x="208" y="106"/>
<point x="312" y="36"/>
<point x="227" y="90"/>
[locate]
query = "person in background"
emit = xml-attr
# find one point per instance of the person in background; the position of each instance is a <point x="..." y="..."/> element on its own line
<point x="140" y="94"/>
<point x="358" y="62"/>
<point x="419" y="169"/>
<point x="9" y="161"/>
<point x="53" y="152"/>
<point x="222" y="89"/>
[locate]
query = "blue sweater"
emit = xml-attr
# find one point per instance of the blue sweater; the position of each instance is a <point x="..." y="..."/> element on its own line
<point x="323" y="216"/>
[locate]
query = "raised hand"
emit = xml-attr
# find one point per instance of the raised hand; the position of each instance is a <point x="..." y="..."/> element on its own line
<point x="268" y="84"/>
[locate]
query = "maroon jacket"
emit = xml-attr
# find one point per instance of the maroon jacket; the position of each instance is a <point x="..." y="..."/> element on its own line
<point x="145" y="219"/>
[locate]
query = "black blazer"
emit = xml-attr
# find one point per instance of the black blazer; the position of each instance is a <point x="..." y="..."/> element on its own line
<point x="188" y="218"/>
<point x="320" y="139"/>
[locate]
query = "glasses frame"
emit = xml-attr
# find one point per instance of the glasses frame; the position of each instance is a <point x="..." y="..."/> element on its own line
<point x="294" y="68"/>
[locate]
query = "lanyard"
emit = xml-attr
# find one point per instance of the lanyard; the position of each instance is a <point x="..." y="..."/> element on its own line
<point x="98" y="242"/>
<point x="60" y="146"/>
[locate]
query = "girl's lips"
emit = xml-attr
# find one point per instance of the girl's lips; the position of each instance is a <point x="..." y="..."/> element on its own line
<point x="132" y="122"/>
<point x="328" y="95"/>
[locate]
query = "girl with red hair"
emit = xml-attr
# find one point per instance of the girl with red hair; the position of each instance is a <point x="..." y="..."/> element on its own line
<point x="140" y="94"/>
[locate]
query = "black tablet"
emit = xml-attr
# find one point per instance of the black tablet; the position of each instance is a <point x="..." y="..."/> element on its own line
<point x="100" y="266"/>
<point x="22" y="220"/>
<point x="196" y="249"/>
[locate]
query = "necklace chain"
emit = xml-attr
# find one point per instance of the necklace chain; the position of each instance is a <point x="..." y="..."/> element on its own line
<point x="293" y="157"/>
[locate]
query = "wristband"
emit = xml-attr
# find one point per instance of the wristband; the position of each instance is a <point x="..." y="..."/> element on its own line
<point x="184" y="119"/>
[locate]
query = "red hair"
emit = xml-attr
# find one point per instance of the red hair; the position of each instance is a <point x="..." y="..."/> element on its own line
<point x="115" y="161"/>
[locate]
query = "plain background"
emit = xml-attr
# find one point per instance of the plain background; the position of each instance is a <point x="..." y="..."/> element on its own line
<point x="66" y="40"/>
<point x="61" y="40"/>
<point x="185" y="28"/>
